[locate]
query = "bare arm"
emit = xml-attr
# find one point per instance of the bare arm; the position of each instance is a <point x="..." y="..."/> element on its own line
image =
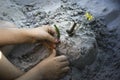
<point x="17" y="36"/>
<point x="14" y="36"/>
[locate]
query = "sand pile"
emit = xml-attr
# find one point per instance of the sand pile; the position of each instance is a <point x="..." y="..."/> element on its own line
<point x="31" y="13"/>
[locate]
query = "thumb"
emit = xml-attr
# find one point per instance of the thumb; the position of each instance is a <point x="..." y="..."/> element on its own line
<point x="52" y="54"/>
<point x="49" y="45"/>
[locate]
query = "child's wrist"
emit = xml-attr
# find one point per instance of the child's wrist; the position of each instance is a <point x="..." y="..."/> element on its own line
<point x="29" y="36"/>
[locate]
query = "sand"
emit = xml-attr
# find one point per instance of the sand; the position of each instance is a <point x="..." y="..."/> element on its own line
<point x="31" y="13"/>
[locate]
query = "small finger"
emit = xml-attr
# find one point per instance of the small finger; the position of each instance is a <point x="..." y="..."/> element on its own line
<point x="65" y="64"/>
<point x="61" y="58"/>
<point x="66" y="69"/>
<point x="50" y="38"/>
<point x="51" y="30"/>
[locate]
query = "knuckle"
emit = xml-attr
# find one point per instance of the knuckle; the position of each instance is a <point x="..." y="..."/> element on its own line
<point x="67" y="62"/>
<point x="67" y="68"/>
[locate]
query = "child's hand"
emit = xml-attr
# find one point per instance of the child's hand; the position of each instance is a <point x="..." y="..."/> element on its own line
<point x="44" y="34"/>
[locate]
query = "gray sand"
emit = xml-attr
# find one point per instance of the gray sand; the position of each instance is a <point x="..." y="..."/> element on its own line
<point x="31" y="13"/>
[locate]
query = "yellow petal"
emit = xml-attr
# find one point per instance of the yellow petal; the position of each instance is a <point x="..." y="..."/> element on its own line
<point x="88" y="16"/>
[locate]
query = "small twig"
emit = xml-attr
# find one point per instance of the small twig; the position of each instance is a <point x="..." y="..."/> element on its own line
<point x="71" y="30"/>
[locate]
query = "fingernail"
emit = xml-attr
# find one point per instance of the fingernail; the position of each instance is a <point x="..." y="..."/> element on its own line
<point x="57" y="41"/>
<point x="54" y="46"/>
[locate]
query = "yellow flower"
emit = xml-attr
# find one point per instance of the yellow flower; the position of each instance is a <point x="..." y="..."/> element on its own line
<point x="89" y="16"/>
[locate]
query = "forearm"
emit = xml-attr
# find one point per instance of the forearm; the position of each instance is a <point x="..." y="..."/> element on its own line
<point x="33" y="74"/>
<point x="7" y="70"/>
<point x="30" y="76"/>
<point x="14" y="36"/>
